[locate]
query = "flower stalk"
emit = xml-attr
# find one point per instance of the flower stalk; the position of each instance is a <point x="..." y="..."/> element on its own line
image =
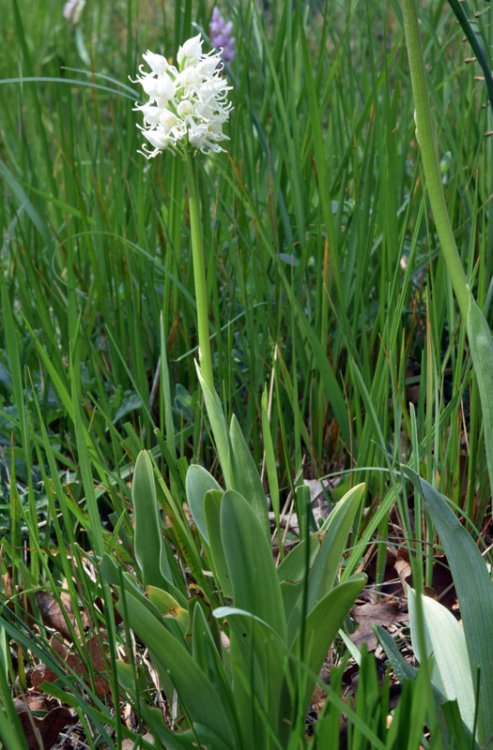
<point x="185" y="114"/>
<point x="429" y="156"/>
<point x="200" y="281"/>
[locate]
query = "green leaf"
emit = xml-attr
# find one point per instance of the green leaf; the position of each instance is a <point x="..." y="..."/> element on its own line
<point x="324" y="621"/>
<point x="58" y="382"/>
<point x="332" y="539"/>
<point x="402" y="668"/>
<point x="258" y="658"/>
<point x="333" y="389"/>
<point x="321" y="626"/>
<point x="219" y="428"/>
<point x="406" y="730"/>
<point x="336" y="529"/>
<point x="136" y="687"/>
<point x="10" y="726"/>
<point x="148" y="538"/>
<point x="198" y="482"/>
<point x="270" y="459"/>
<point x="445" y="640"/>
<point x="195" y="690"/>
<point x="455" y="726"/>
<point x="481" y="345"/>
<point x="249" y="559"/>
<point x="12" y="346"/>
<point x="292" y="568"/>
<point x="169" y="607"/>
<point x="477" y="45"/>
<point x="246" y="477"/>
<point x="10" y="734"/>
<point x="475" y="593"/>
<point x="112" y="573"/>
<point x="208" y="738"/>
<point x="212" y="508"/>
<point x="24" y="202"/>
<point x="206" y="654"/>
<point x="291" y="573"/>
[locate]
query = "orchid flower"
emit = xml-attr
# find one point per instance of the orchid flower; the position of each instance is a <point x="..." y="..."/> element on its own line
<point x="221" y="34"/>
<point x="188" y="104"/>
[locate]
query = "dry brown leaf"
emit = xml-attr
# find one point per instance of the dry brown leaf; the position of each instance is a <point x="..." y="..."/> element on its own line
<point x="7" y="584"/>
<point x="383" y="612"/>
<point x="318" y="699"/>
<point x="42" y="734"/>
<point x="129" y="744"/>
<point x="403" y="570"/>
<point x="55" y="616"/>
<point x="34" y="701"/>
<point x="94" y="655"/>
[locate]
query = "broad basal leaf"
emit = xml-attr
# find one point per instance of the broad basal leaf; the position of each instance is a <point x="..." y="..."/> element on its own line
<point x="250" y="563"/>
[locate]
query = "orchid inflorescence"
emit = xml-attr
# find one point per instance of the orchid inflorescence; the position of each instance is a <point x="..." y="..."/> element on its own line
<point x="221" y="34"/>
<point x="188" y="104"/>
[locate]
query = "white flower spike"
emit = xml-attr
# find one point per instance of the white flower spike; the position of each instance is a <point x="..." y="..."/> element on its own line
<point x="72" y="10"/>
<point x="188" y="105"/>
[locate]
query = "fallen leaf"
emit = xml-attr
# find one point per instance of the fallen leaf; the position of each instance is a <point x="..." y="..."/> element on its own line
<point x="33" y="701"/>
<point x="382" y="612"/>
<point x="318" y="699"/>
<point x="94" y="655"/>
<point x="56" y="616"/>
<point x="387" y="581"/>
<point x="42" y="734"/>
<point x="403" y="570"/>
<point x="130" y="744"/>
<point x="7" y="584"/>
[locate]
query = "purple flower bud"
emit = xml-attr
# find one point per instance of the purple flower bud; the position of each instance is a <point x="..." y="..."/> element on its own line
<point x="221" y="36"/>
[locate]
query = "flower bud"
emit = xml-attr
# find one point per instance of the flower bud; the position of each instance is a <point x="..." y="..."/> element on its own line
<point x="190" y="51"/>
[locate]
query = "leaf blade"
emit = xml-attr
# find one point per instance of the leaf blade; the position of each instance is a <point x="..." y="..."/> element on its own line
<point x="475" y="593"/>
<point x="248" y="555"/>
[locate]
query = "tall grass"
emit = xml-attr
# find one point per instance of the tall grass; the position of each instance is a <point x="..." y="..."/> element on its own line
<point x="323" y="244"/>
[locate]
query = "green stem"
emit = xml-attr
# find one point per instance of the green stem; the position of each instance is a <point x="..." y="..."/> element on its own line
<point x="429" y="156"/>
<point x="205" y="357"/>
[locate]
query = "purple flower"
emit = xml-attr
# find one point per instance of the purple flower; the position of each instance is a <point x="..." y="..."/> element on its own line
<point x="221" y="37"/>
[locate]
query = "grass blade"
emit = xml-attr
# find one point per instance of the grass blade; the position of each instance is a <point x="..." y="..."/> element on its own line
<point x="148" y="540"/>
<point x="481" y="345"/>
<point x="445" y="640"/>
<point x="475" y="593"/>
<point x="194" y="688"/>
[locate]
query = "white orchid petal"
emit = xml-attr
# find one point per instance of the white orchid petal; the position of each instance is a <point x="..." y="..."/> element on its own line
<point x="190" y="51"/>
